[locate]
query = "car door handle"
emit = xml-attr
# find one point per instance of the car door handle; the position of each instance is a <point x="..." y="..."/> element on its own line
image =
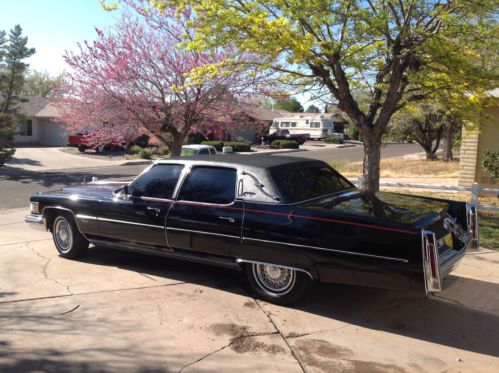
<point x="228" y="218"/>
<point x="155" y="209"/>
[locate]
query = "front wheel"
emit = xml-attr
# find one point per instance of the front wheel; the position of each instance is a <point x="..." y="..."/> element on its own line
<point x="67" y="238"/>
<point x="276" y="284"/>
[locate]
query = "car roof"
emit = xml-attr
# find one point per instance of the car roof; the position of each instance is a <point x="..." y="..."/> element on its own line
<point x="197" y="146"/>
<point x="261" y="161"/>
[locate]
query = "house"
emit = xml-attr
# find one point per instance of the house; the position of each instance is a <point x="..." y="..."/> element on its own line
<point x="38" y="126"/>
<point x="476" y="140"/>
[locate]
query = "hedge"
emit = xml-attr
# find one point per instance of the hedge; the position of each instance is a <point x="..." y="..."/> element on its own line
<point x="285" y="144"/>
<point x="333" y="140"/>
<point x="216" y="144"/>
<point x="237" y="146"/>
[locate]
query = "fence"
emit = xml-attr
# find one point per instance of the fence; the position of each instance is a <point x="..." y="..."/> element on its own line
<point x="475" y="190"/>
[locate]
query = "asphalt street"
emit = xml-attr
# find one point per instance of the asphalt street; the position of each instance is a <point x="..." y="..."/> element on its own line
<point x="17" y="185"/>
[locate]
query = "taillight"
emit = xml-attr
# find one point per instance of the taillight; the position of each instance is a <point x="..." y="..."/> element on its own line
<point x="430" y="262"/>
<point x="473" y="225"/>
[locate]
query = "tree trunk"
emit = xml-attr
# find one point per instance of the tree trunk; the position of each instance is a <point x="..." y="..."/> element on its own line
<point x="448" y="132"/>
<point x="175" y="147"/>
<point x="371" y="168"/>
<point x="430" y="155"/>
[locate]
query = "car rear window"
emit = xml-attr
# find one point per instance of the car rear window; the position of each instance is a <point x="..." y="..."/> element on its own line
<point x="308" y="182"/>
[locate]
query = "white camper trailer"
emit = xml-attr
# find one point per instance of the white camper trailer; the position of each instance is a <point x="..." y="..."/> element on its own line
<point x="319" y="126"/>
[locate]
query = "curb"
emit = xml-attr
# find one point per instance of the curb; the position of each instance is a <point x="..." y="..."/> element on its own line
<point x="136" y="163"/>
<point x="346" y="146"/>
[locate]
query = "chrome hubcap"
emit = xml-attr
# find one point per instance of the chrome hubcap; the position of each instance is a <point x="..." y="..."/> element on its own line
<point x="274" y="279"/>
<point x="63" y="234"/>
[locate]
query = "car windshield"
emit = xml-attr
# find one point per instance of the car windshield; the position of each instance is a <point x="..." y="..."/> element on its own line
<point x="308" y="182"/>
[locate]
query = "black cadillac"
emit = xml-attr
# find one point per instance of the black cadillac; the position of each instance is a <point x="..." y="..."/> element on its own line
<point x="285" y="221"/>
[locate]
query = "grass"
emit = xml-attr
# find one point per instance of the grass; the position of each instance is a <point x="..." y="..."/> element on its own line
<point x="403" y="167"/>
<point x="489" y="231"/>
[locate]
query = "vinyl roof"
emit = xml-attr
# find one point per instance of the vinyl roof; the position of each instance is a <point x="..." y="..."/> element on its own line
<point x="256" y="160"/>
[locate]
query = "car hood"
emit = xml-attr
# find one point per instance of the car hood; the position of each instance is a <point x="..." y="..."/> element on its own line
<point x="383" y="206"/>
<point x="97" y="190"/>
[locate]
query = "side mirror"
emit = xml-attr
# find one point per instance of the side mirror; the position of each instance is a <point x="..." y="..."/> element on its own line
<point x="122" y="193"/>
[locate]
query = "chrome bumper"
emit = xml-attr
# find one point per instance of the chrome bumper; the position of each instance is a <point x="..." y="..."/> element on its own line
<point x="36" y="222"/>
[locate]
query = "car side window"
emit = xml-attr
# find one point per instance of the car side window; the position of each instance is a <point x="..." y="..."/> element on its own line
<point x="213" y="151"/>
<point x="158" y="182"/>
<point x="209" y="185"/>
<point x="203" y="151"/>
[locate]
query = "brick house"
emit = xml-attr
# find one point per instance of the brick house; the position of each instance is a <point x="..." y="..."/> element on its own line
<point x="476" y="140"/>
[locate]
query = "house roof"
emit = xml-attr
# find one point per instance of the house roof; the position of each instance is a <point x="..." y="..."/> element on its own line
<point x="36" y="106"/>
<point x="261" y="113"/>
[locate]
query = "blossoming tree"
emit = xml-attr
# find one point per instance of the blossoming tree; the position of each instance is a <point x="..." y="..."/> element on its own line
<point x="137" y="78"/>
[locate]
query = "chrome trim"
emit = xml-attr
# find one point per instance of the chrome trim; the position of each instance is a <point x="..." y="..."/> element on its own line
<point x="428" y="242"/>
<point x="80" y="216"/>
<point x="201" y="232"/>
<point x="36" y="222"/>
<point x="472" y="215"/>
<point x="130" y="223"/>
<point x="65" y="209"/>
<point x="326" y="249"/>
<point x="277" y="265"/>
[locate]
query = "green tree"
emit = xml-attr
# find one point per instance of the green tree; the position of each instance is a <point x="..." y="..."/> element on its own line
<point x="292" y="105"/>
<point x="14" y="68"/>
<point x="6" y="138"/>
<point x="382" y="48"/>
<point x="37" y="83"/>
<point x="313" y="109"/>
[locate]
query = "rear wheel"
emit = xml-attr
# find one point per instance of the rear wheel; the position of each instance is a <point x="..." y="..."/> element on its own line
<point x="277" y="284"/>
<point x="67" y="238"/>
<point x="82" y="148"/>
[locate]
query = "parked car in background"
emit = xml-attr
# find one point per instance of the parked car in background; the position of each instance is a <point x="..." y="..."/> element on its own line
<point x="87" y="140"/>
<point x="285" y="221"/>
<point x="197" y="149"/>
<point x="284" y="134"/>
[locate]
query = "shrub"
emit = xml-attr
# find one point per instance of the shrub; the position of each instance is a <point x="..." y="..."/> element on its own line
<point x="333" y="140"/>
<point x="216" y="144"/>
<point x="6" y="138"/>
<point x="145" y="154"/>
<point x="195" y="138"/>
<point x="135" y="149"/>
<point x="490" y="162"/>
<point x="238" y="146"/>
<point x="285" y="144"/>
<point x="142" y="141"/>
<point x="163" y="150"/>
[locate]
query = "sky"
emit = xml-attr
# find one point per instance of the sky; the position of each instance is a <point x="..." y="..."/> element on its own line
<point x="53" y="26"/>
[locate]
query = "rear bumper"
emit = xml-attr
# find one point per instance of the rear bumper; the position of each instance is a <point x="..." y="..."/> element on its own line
<point x="36" y="222"/>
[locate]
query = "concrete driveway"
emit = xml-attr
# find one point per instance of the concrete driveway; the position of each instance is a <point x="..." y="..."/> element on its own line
<point x="44" y="158"/>
<point x="118" y="311"/>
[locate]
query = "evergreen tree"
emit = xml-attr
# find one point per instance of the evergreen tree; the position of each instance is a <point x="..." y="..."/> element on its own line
<point x="14" y="67"/>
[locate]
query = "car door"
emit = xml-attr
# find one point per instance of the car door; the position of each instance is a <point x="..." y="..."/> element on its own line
<point x="139" y="218"/>
<point x="206" y="216"/>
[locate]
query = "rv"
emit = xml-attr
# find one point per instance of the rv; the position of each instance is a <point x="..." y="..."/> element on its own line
<point x="319" y="126"/>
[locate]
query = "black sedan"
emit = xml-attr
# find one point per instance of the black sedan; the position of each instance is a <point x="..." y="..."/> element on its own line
<point x="285" y="221"/>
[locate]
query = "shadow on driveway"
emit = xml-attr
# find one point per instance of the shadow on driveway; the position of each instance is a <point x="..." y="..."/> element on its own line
<point x="412" y="315"/>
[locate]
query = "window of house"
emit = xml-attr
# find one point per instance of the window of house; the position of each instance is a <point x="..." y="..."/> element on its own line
<point x="209" y="185"/>
<point x="158" y="182"/>
<point x="25" y="128"/>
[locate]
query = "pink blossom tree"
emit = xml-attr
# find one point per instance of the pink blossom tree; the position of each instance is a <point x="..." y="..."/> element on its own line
<point x="137" y="78"/>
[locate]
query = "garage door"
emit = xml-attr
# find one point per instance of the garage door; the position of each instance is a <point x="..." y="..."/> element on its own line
<point x="53" y="134"/>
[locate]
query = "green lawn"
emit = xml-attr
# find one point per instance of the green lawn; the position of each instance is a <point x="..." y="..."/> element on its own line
<point x="489" y="232"/>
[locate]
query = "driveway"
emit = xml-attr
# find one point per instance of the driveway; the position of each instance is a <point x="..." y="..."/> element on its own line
<point x="42" y="158"/>
<point x="118" y="311"/>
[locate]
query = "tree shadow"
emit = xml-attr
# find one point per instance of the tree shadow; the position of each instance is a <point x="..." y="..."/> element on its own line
<point x="451" y="323"/>
<point x="24" y="161"/>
